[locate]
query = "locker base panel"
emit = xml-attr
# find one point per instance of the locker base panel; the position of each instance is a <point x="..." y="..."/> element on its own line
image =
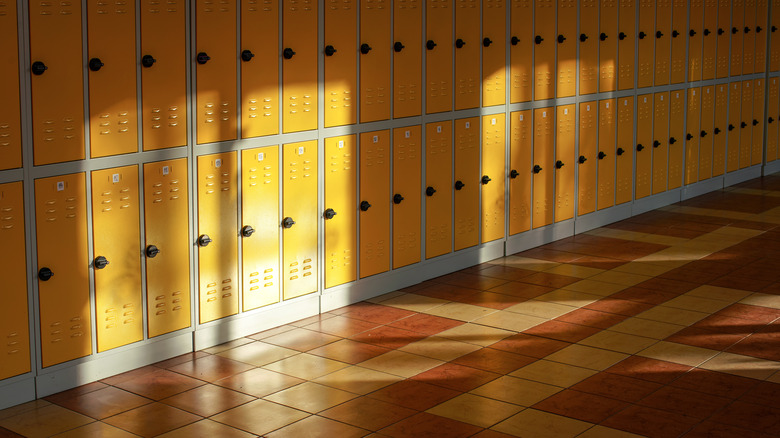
<point x="702" y="187"/>
<point x="772" y="167"/>
<point x="17" y="391"/>
<point x="742" y="175"/>
<point x="602" y="217"/>
<point x="659" y="200"/>
<point x="540" y="236"/>
<point x="370" y="287"/>
<point x="96" y="367"/>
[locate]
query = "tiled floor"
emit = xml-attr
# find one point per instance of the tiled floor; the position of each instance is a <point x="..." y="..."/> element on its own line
<point x="663" y="325"/>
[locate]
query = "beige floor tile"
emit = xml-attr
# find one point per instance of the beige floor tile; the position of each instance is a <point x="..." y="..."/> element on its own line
<point x="385" y="297"/>
<point x="357" y="380"/>
<point x="258" y="353"/>
<point x="775" y="378"/>
<point x="259" y="382"/>
<point x="661" y="239"/>
<point x="400" y="364"/>
<point x="306" y="366"/>
<point x="617" y="233"/>
<point x="697" y="304"/>
<point x="476" y="410"/>
<point x="45" y="421"/>
<point x="745" y="366"/>
<point x="206" y="428"/>
<point x="460" y="311"/>
<point x="317" y="427"/>
<point x="620" y="278"/>
<point x="538" y="424"/>
<point x="510" y="321"/>
<point x="719" y="293"/>
<point x="606" y="432"/>
<point x="620" y="342"/>
<point x="587" y="357"/>
<point x="671" y="315"/>
<point x="260" y="417"/>
<point x="569" y="297"/>
<point x="678" y="353"/>
<point x="24" y="407"/>
<point x="541" y="309"/>
<point x="744" y="233"/>
<point x="525" y="263"/>
<point x="574" y="270"/>
<point x="647" y="328"/>
<point x="228" y="345"/>
<point x="594" y="287"/>
<point x="97" y="430"/>
<point x="641" y="268"/>
<point x="414" y="302"/>
<point x="440" y="348"/>
<point x="553" y="373"/>
<point x="311" y="397"/>
<point x="516" y="391"/>
<point x="476" y="334"/>
<point x="765" y="300"/>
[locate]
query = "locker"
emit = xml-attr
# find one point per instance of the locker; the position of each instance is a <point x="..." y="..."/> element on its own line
<point x="520" y="175"/>
<point x="493" y="177"/>
<point x="588" y="149"/>
<point x="467" y="44"/>
<point x="438" y="192"/>
<point x="564" y="162"/>
<point x="567" y="48"/>
<point x="757" y="122"/>
<point x="375" y="57"/>
<point x="734" y="120"/>
<point x="762" y="12"/>
<point x="774" y="37"/>
<point x="706" y="133"/>
<point x="521" y="50"/>
<point x="544" y="49"/>
<point x="340" y="63"/>
<point x="260" y="68"/>
<point x="260" y="226"/>
<point x="773" y="114"/>
<point x="10" y="122"/>
<point x="543" y="196"/>
<point x="299" y="226"/>
<point x="663" y="37"/>
<point x="167" y="246"/>
<point x="660" y="142"/>
<point x="215" y="72"/>
<point x="339" y="215"/>
<point x="626" y="43"/>
<point x="676" y="137"/>
<point x="680" y="37"/>
<point x="695" y="40"/>
<point x="467" y="136"/>
<point x="709" y="40"/>
<point x="589" y="48"/>
<point x="407" y="58"/>
<point x="57" y="111"/>
<point x="407" y="180"/>
<point x="746" y="131"/>
<point x="217" y="236"/>
<point x="14" y="325"/>
<point x="724" y="39"/>
<point x="438" y="56"/>
<point x="113" y="113"/>
<point x="737" y="40"/>
<point x="625" y="139"/>
<point x="374" y="203"/>
<point x="164" y="75"/>
<point x="644" y="140"/>
<point x="63" y="268"/>
<point x="720" y="131"/>
<point x="749" y="38"/>
<point x="494" y="52"/>
<point x="692" y="136"/>
<point x="606" y="155"/>
<point x="299" y="66"/>
<point x="608" y="42"/>
<point x="646" y="44"/>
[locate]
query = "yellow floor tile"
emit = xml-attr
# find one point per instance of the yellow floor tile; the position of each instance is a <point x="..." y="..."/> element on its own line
<point x="103" y="430"/>
<point x="719" y="293"/>
<point x="615" y="233"/>
<point x="538" y="424"/>
<point x="385" y="297"/>
<point x="593" y="287"/>
<point x="541" y="309"/>
<point x="765" y="300"/>
<point x="460" y="311"/>
<point x="678" y="353"/>
<point x="24" y="407"/>
<point x="228" y="345"/>
<point x="258" y="353"/>
<point x="358" y="380"/>
<point x="646" y="328"/>
<point x="525" y="263"/>
<point x="476" y="334"/>
<point x="606" y="432"/>
<point x="306" y="366"/>
<point x="620" y="278"/>
<point x="697" y="304"/>
<point x="317" y="427"/>
<point x="516" y="391"/>
<point x="45" y="421"/>
<point x="661" y="239"/>
<point x="745" y="366"/>
<point x="671" y="315"/>
<point x="553" y="373"/>
<point x="400" y="364"/>
<point x="744" y="233"/>
<point x="440" y="348"/>
<point x="642" y="268"/>
<point x="774" y="377"/>
<point x="311" y="397"/>
<point x="476" y="410"/>
<point x="616" y="341"/>
<point x="414" y="303"/>
<point x="206" y="428"/>
<point x="260" y="417"/>
<point x="569" y="297"/>
<point x="587" y="357"/>
<point x="574" y="270"/>
<point x="510" y="321"/>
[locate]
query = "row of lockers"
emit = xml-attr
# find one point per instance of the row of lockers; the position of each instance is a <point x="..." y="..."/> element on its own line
<point x="620" y="45"/>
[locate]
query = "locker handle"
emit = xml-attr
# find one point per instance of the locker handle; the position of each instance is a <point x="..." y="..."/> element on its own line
<point x="603" y="36"/>
<point x="734" y="30"/>
<point x="397" y="198"/>
<point x="288" y="53"/>
<point x="148" y="61"/>
<point x="656" y="143"/>
<point x="622" y="36"/>
<point x="755" y="122"/>
<point x="247" y="231"/>
<point x="459" y="43"/>
<point x="642" y="35"/>
<point x="487" y="42"/>
<point x="706" y="32"/>
<point x="398" y="46"/>
<point x="329" y="50"/>
<point x="204" y="240"/>
<point x="485" y="179"/>
<point x="152" y="251"/>
<point x="430" y="44"/>
<point x="582" y="159"/>
<point x="288" y="222"/>
<point x="561" y="39"/>
<point x="774" y="28"/>
<point x="731" y="127"/>
<point x="429" y="191"/>
<point x="620" y="151"/>
<point x="659" y="34"/>
<point x="364" y="206"/>
<point x="45" y="274"/>
<point x="602" y="155"/>
<point x="743" y="125"/>
<point x="329" y="213"/>
<point x="703" y="134"/>
<point x="583" y="37"/>
<point x="38" y="68"/>
<point x="716" y="131"/>
<point x="691" y="32"/>
<point x="95" y="64"/>
<point x="537" y="168"/>
<point x="675" y="34"/>
<point x="365" y="48"/>
<point x="747" y="29"/>
<point x="538" y="39"/>
<point x="672" y="140"/>
<point x="247" y="55"/>
<point x="101" y="262"/>
<point x="459" y="185"/>
<point x="689" y="136"/>
<point x="202" y="58"/>
<point x="558" y="164"/>
<point x="720" y="31"/>
<point x="639" y="147"/>
<point x="515" y="40"/>
<point x="758" y="29"/>
<point x="770" y="120"/>
<point x="514" y="174"/>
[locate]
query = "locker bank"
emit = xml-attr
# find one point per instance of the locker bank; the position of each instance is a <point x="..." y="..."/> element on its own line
<point x="175" y="175"/>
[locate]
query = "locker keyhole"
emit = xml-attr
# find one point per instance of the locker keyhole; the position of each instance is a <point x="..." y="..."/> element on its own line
<point x="148" y="61"/>
<point x="656" y="144"/>
<point x="770" y="120"/>
<point x="101" y="262"/>
<point x="459" y="43"/>
<point x="774" y="28"/>
<point x="538" y="39"/>
<point x="672" y="140"/>
<point x="675" y="34"/>
<point x="398" y="46"/>
<point x="755" y="122"/>
<point x="204" y="240"/>
<point x="561" y="39"/>
<point x="620" y="151"/>
<point x="288" y="222"/>
<point x="716" y="131"/>
<point x="365" y="48"/>
<point x="582" y="159"/>
<point x="583" y="37"/>
<point x="734" y="30"/>
<point x="485" y="179"/>
<point x="659" y="34"/>
<point x="487" y="42"/>
<point x="689" y="137"/>
<point x="429" y="191"/>
<point x="329" y="213"/>
<point x="704" y="133"/>
<point x="622" y="36"/>
<point x="45" y="274"/>
<point x="720" y="31"/>
<point x="288" y="53"/>
<point x="459" y="185"/>
<point x="364" y="206"/>
<point x="247" y="55"/>
<point x="558" y="164"/>
<point x="38" y="68"/>
<point x="639" y="147"/>
<point x="514" y="174"/>
<point x="747" y="29"/>
<point x="692" y="32"/>
<point x="397" y="198"/>
<point x="642" y="35"/>
<point x="247" y="231"/>
<point x="515" y="40"/>
<point x="537" y="168"/>
<point x="758" y="29"/>
<point x="152" y="251"/>
<point x="603" y="36"/>
<point x="202" y="58"/>
<point x="743" y="125"/>
<point x="430" y="44"/>
<point x="95" y="64"/>
<point x="707" y="32"/>
<point x="602" y="155"/>
<point x="731" y="127"/>
<point x="329" y="50"/>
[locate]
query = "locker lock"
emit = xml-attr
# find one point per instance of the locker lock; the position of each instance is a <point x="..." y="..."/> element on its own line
<point x="365" y="48"/>
<point x="288" y="53"/>
<point x="95" y="64"/>
<point x="622" y="36"/>
<point x="204" y="240"/>
<point x="620" y="151"/>
<point x="485" y="179"/>
<point x="202" y="58"/>
<point x="656" y="143"/>
<point x="37" y="69"/>
<point x="45" y="274"/>
<point x="583" y="37"/>
<point x="602" y="155"/>
<point x="774" y="28"/>
<point x="603" y="36"/>
<point x="247" y="55"/>
<point x="675" y="34"/>
<point x="770" y="120"/>
<point x="707" y="32"/>
<point x="755" y="122"/>
<point x="487" y="42"/>
<point x="561" y="39"/>
<point x="758" y="29"/>
<point x="459" y="185"/>
<point x="716" y="131"/>
<point x="731" y="127"/>
<point x="397" y="46"/>
<point x="430" y="44"/>
<point x="689" y="136"/>
<point x="100" y="262"/>
<point x="538" y="39"/>
<point x="659" y="34"/>
<point x="397" y="198"/>
<point x="514" y="174"/>
<point x="703" y="134"/>
<point x="429" y="191"/>
<point x="537" y="168"/>
<point x="642" y="35"/>
<point x="329" y="213"/>
<point x="364" y="206"/>
<point x="515" y="40"/>
<point x="288" y="222"/>
<point x="691" y="32"/>
<point x="743" y="125"/>
<point x="582" y="159"/>
<point x="747" y="29"/>
<point x="152" y="251"/>
<point x="734" y="30"/>
<point x="720" y="31"/>
<point x="672" y="140"/>
<point x="247" y="231"/>
<point x="558" y="164"/>
<point x="640" y="147"/>
<point x="459" y="43"/>
<point x="148" y="61"/>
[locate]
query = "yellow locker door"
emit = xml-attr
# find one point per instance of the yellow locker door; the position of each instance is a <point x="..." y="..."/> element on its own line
<point x="407" y="58"/>
<point x="757" y="153"/>
<point x="589" y="46"/>
<point x="493" y="179"/>
<point x="299" y="210"/>
<point x="494" y="52"/>
<point x="606" y="155"/>
<point x="164" y="75"/>
<point x="774" y="37"/>
<point x="746" y="134"/>
<point x="680" y="39"/>
<point x="466" y="195"/>
<point x="14" y="326"/>
<point x="706" y="132"/>
<point x="167" y="248"/>
<point x="773" y="114"/>
<point x="521" y="164"/>
<point x="567" y="48"/>
<point x="299" y="65"/>
<point x="624" y="177"/>
<point x="10" y="118"/>
<point x="260" y="225"/>
<point x="660" y="142"/>
<point x="692" y="137"/>
<point x="663" y="34"/>
<point x="217" y="236"/>
<point x="467" y="44"/>
<point x="63" y="276"/>
<point x="676" y="137"/>
<point x="720" y="130"/>
<point x="644" y="141"/>
<point x="608" y="45"/>
<point x="438" y="192"/>
<point x="749" y="38"/>
<point x="374" y="203"/>
<point x="734" y="120"/>
<point x="339" y="215"/>
<point x="737" y="32"/>
<point x="55" y="56"/>
<point x="709" y="40"/>
<point x="564" y="163"/>
<point x="587" y="177"/>
<point x="215" y="61"/>
<point x="544" y="49"/>
<point x="543" y="197"/>
<point x="521" y="50"/>
<point x="438" y="56"/>
<point x="695" y="41"/>
<point x="407" y="178"/>
<point x="626" y="43"/>
<point x="723" y="60"/>
<point x="340" y="63"/>
<point x="375" y="57"/>
<point x="762" y="12"/>
<point x="259" y="68"/>
<point x="646" y="45"/>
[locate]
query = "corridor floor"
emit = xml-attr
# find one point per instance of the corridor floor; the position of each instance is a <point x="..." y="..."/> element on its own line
<point x="663" y="325"/>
